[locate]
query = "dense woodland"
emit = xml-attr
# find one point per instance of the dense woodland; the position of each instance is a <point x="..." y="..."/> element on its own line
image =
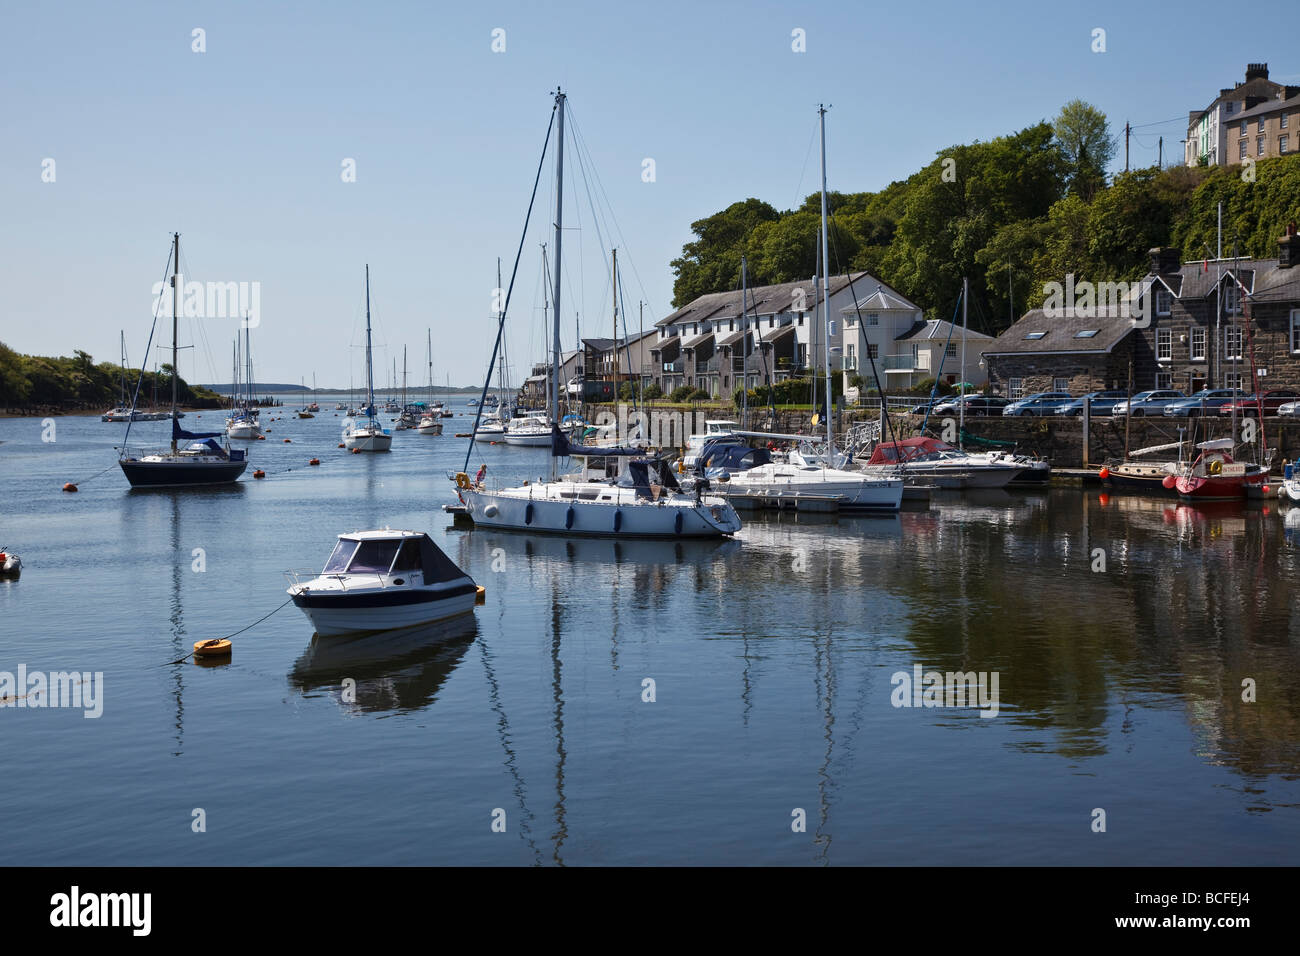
<point x="33" y="381"/>
<point x="1010" y="214"/>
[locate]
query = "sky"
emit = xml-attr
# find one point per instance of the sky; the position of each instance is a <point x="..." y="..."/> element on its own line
<point x="242" y="149"/>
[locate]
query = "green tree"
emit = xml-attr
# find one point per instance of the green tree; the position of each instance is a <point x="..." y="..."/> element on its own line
<point x="1083" y="133"/>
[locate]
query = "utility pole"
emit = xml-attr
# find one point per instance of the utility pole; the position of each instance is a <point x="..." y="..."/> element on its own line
<point x="1160" y="162"/>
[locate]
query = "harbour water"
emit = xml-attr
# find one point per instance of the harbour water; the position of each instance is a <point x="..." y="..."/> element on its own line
<point x="1120" y="631"/>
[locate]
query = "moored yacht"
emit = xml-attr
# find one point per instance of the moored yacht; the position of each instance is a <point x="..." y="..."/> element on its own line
<point x="369" y="436"/>
<point x="932" y="458"/>
<point x="752" y="472"/>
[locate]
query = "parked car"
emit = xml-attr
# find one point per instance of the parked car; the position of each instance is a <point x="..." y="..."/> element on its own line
<point x="1099" y="403"/>
<point x="1272" y="400"/>
<point x="926" y="406"/>
<point x="1290" y="409"/>
<point x="1151" y="402"/>
<point x="977" y="406"/>
<point x="1205" y="402"/>
<point x="1040" y="403"/>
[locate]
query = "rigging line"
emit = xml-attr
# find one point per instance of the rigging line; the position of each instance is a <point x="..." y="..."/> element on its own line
<point x="935" y="387"/>
<point x="617" y="228"/>
<point x="812" y="136"/>
<point x="181" y="660"/>
<point x="505" y="308"/>
<point x="887" y="425"/>
<point x="148" y="346"/>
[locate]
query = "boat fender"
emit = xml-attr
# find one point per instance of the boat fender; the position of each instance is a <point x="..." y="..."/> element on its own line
<point x="618" y="520"/>
<point x="490" y="511"/>
<point x="568" y="517"/>
<point x="677" y="523"/>
<point x="462" y="480"/>
<point x="1104" y="473"/>
<point x="528" y="513"/>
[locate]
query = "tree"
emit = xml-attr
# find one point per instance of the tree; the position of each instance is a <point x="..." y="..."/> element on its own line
<point x="1084" y="137"/>
<point x="711" y="262"/>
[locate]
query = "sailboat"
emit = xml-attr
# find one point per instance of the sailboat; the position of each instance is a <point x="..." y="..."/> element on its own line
<point x="244" y="422"/>
<point x="370" y="436"/>
<point x="807" y="473"/>
<point x="640" y="499"/>
<point x="122" y="412"/>
<point x="203" y="462"/>
<point x="431" y="421"/>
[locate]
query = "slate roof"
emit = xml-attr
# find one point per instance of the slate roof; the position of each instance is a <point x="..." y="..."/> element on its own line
<point x="1111" y="328"/>
<point x="939" y="329"/>
<point x="773" y="299"/>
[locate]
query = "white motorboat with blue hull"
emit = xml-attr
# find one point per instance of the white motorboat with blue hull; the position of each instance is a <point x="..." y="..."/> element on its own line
<point x="751" y="472"/>
<point x="380" y="580"/>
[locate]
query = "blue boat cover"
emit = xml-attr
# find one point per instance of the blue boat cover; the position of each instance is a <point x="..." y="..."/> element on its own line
<point x="178" y="433"/>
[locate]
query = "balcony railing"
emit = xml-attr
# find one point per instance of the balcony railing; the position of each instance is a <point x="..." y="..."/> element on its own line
<point x="707" y="366"/>
<point x="679" y="366"/>
<point x="906" y="363"/>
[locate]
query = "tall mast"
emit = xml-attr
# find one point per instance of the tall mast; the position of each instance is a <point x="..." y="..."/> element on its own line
<point x="370" y="373"/>
<point x="615" y="346"/>
<point x="826" y="294"/>
<point x="176" y="308"/>
<point x="961" y="408"/>
<point x="559" y="237"/>
<point x="744" y="371"/>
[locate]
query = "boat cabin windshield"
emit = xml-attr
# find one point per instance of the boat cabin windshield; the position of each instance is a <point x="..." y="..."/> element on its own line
<point x="373" y="557"/>
<point x="338" y="561"/>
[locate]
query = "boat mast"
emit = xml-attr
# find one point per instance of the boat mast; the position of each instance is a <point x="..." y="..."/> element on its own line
<point x="559" y="236"/>
<point x="615" y="346"/>
<point x="826" y="317"/>
<point x="744" y="371"/>
<point x="961" y="406"/>
<point x="370" y="372"/>
<point x="176" y="308"/>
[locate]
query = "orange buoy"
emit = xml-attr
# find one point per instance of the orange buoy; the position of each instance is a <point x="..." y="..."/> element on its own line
<point x="480" y="594"/>
<point x="341" y="445"/>
<point x="69" y="486"/>
<point x="356" y="451"/>
<point x="259" y="473"/>
<point x="288" y="440"/>
<point x="314" y="461"/>
<point x="261" y="438"/>
<point x="213" y="648"/>
<point x="1168" y="481"/>
<point x="1104" y="473"/>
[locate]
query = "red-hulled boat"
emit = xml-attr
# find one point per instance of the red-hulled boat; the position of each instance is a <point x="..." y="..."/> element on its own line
<point x="1215" y="476"/>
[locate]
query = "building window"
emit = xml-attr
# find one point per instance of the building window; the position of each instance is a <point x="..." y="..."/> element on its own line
<point x="771" y="321"/>
<point x="1164" y="345"/>
<point x="1245" y="124"/>
<point x="1164" y="379"/>
<point x="1259" y="126"/>
<point x="851" y="358"/>
<point x="1227" y="107"/>
<point x="1231" y="298"/>
<point x="1163" y="301"/>
<point x="1259" y="145"/>
<point x="1198" y="345"/>
<point x="1034" y="336"/>
<point x="1233" y="380"/>
<point x="1241" y="149"/>
<point x="1232" y="338"/>
<point x="1060" y="384"/>
<point x="1282" y="142"/>
<point x="1283" y="121"/>
<point x="801" y="318"/>
<point x="873" y="318"/>
<point x="950" y="350"/>
<point x="873" y="350"/>
<point x="1016" y="388"/>
<point x="1295" y="330"/>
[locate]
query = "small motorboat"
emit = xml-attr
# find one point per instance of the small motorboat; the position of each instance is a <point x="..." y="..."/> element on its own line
<point x="1216" y="476"/>
<point x="10" y="565"/>
<point x="1291" y="481"/>
<point x="380" y="580"/>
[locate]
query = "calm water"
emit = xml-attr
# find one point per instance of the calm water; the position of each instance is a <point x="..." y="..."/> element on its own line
<point x="772" y="659"/>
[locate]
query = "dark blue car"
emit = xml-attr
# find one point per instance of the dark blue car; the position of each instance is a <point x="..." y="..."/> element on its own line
<point x="1099" y="403"/>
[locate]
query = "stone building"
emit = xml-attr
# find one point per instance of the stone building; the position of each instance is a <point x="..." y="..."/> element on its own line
<point x="1254" y="119"/>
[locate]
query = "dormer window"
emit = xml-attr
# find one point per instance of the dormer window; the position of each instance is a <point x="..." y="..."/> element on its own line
<point x="1164" y="301"/>
<point x="1034" y="336"/>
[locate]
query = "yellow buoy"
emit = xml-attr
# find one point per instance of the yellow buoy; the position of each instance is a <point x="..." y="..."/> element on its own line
<point x="480" y="595"/>
<point x="213" y="648"/>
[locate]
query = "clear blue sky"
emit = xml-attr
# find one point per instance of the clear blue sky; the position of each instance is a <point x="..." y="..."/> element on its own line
<point x="240" y="148"/>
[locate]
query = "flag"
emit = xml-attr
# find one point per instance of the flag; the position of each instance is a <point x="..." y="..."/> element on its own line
<point x="1207" y="266"/>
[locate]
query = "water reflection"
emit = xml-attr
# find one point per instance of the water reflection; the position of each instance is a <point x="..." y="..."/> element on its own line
<point x="399" y="670"/>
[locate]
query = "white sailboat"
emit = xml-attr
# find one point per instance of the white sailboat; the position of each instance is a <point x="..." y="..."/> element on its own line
<point x="244" y="422"/>
<point x="431" y="421"/>
<point x="371" y="436"/>
<point x="642" y="498"/>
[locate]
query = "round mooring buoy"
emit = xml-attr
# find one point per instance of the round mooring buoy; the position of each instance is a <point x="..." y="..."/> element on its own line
<point x="69" y="486"/>
<point x="314" y="461"/>
<point x="213" y="648"/>
<point x="259" y="473"/>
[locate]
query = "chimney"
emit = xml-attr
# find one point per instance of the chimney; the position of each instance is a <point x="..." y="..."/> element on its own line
<point x="1288" y="248"/>
<point x="1165" y="260"/>
<point x="1256" y="71"/>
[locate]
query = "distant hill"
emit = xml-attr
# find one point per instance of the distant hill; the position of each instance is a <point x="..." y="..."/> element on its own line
<point x="281" y="388"/>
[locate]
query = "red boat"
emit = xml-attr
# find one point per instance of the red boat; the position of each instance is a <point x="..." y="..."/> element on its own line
<point x="1215" y="476"/>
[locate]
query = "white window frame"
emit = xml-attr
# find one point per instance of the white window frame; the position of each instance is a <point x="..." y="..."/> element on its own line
<point x="873" y="318"/>
<point x="1283" y="142"/>
<point x="1015" y="389"/>
<point x="1282" y="121"/>
<point x="1060" y="384"/>
<point x="1242" y="145"/>
<point x="1164" y="346"/>
<point x="1229" y="333"/>
<point x="1227" y="108"/>
<point x="1164" y="380"/>
<point x="1164" y="301"/>
<point x="873" y="350"/>
<point x="1259" y="125"/>
<point x="1245" y="127"/>
<point x="1295" y="330"/>
<point x="950" y="350"/>
<point x="1197" y="350"/>
<point x="1259" y="145"/>
<point x="1234" y="380"/>
<point x="1231" y="297"/>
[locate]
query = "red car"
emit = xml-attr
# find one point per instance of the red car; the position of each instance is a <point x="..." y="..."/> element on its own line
<point x="1271" y="400"/>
